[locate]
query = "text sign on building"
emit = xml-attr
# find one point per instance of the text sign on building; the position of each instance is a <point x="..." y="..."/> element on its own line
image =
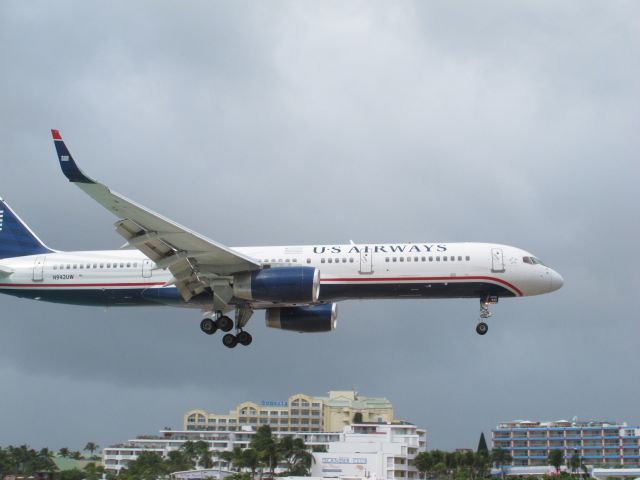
<point x="344" y="461"/>
<point x="274" y="403"/>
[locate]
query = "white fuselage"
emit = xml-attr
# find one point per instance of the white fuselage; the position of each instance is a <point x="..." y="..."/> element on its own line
<point x="411" y="270"/>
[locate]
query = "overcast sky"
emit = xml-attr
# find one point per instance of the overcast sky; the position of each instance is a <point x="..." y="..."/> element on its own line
<point x="309" y="123"/>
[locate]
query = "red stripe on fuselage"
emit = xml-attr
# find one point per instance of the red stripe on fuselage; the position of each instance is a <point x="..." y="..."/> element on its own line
<point x="424" y="279"/>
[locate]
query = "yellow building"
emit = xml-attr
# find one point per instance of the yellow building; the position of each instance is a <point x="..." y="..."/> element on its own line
<point x="299" y="413"/>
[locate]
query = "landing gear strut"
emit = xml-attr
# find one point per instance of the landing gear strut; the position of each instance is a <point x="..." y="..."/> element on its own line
<point x="482" y="328"/>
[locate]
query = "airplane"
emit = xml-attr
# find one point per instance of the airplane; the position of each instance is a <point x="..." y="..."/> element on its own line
<point x="298" y="287"/>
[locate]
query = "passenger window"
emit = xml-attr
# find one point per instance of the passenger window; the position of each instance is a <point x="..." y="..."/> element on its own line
<point x="102" y="265"/>
<point x="295" y="260"/>
<point x="75" y="266"/>
<point x="108" y="265"/>
<point x="402" y="259"/>
<point x="68" y="266"/>
<point x="415" y="259"/>
<point x="351" y="260"/>
<point x="468" y="258"/>
<point x="431" y="259"/>
<point x="386" y="259"/>
<point x="55" y="267"/>
<point x="95" y="265"/>
<point x="330" y="260"/>
<point x="444" y="259"/>
<point x="453" y="259"/>
<point x="395" y="259"/>
<point x="408" y="259"/>
<point x="308" y="260"/>
<point x="460" y="258"/>
<point x="288" y="260"/>
<point x="135" y="264"/>
<point x="344" y="260"/>
<point x="424" y="259"/>
<point x="437" y="258"/>
<point x="322" y="260"/>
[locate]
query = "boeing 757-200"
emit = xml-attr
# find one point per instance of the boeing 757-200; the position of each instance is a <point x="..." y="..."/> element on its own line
<point x="297" y="286"/>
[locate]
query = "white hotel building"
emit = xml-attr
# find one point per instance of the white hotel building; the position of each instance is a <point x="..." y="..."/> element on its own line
<point x="377" y="450"/>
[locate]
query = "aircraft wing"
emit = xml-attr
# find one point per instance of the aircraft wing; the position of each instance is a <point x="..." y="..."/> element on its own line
<point x="194" y="260"/>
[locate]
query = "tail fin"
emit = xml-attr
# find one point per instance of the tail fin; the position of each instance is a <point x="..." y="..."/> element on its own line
<point x="16" y="239"/>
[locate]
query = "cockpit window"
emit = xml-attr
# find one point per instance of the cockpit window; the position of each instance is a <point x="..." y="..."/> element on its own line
<point x="532" y="261"/>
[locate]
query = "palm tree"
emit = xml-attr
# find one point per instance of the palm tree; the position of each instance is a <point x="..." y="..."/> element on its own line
<point x="64" y="452"/>
<point x="555" y="459"/>
<point x="91" y="447"/>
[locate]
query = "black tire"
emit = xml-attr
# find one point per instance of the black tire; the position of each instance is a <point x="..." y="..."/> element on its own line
<point x="208" y="326"/>
<point x="230" y="340"/>
<point x="482" y="328"/>
<point x="245" y="338"/>
<point x="224" y="323"/>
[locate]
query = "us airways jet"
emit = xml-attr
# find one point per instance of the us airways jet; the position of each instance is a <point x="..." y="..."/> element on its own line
<point x="164" y="263"/>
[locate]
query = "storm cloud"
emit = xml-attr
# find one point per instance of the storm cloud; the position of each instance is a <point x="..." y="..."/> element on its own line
<point x="317" y="123"/>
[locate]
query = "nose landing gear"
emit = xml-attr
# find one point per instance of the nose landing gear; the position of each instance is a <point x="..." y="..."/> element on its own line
<point x="482" y="328"/>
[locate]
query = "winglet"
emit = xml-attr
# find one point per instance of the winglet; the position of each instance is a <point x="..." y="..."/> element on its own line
<point x="67" y="163"/>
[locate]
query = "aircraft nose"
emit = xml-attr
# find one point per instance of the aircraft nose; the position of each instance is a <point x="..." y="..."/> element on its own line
<point x="556" y="281"/>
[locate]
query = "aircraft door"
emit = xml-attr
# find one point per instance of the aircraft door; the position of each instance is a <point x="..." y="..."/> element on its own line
<point x="497" y="260"/>
<point x="146" y="268"/>
<point x="38" y="269"/>
<point x="366" y="260"/>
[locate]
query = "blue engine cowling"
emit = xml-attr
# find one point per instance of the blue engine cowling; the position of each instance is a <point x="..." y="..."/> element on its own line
<point x="318" y="318"/>
<point x="279" y="285"/>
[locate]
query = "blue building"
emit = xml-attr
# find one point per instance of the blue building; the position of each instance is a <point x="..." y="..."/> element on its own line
<point x="594" y="443"/>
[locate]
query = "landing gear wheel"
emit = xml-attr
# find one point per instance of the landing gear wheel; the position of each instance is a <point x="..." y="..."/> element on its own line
<point x="482" y="328"/>
<point x="208" y="326"/>
<point x="244" y="338"/>
<point x="230" y="340"/>
<point x="224" y="323"/>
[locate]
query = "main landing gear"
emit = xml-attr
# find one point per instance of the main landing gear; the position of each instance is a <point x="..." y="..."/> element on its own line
<point x="222" y="322"/>
<point x="482" y="328"/>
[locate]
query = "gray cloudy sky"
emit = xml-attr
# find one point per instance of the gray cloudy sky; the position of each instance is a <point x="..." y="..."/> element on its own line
<point x="320" y="122"/>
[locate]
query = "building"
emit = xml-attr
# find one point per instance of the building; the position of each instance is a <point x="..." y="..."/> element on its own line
<point x="401" y="441"/>
<point x="376" y="451"/>
<point x="608" y="444"/>
<point x="299" y="413"/>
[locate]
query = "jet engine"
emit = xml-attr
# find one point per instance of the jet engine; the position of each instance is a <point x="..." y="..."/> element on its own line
<point x="317" y="318"/>
<point x="279" y="285"/>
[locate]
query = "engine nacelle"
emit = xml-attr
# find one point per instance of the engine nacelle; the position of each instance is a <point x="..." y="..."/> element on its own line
<point x="280" y="285"/>
<point x="318" y="318"/>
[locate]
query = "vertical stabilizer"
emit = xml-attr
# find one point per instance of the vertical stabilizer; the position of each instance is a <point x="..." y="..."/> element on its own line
<point x="16" y="238"/>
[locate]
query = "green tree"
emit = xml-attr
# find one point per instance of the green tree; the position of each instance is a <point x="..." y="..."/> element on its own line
<point x="267" y="448"/>
<point x="93" y="471"/>
<point x="203" y="454"/>
<point x="64" y="452"/>
<point x="295" y="454"/>
<point x="357" y="417"/>
<point x="191" y="452"/>
<point x="73" y="474"/>
<point x="482" y="444"/>
<point x="500" y="458"/>
<point x="574" y="462"/>
<point x="148" y="466"/>
<point x="251" y="460"/>
<point x="178" y="461"/>
<point x="91" y="447"/>
<point x="555" y="459"/>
